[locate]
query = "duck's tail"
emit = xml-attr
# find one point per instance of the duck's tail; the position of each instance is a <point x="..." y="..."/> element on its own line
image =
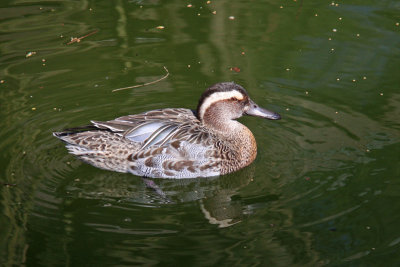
<point x="100" y="148"/>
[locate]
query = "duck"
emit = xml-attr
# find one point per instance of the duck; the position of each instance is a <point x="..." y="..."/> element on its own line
<point x="174" y="142"/>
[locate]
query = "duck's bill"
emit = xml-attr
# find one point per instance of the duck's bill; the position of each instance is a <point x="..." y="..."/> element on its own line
<point x="257" y="111"/>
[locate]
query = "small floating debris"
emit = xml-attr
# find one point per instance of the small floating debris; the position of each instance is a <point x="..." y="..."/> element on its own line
<point x="148" y="83"/>
<point x="334" y="30"/>
<point x="78" y="39"/>
<point x="189" y="5"/>
<point x="235" y="69"/>
<point x="29" y="54"/>
<point x="231" y="17"/>
<point x="208" y="2"/>
<point x="74" y="40"/>
<point x="160" y="27"/>
<point x="9" y="184"/>
<point x="214" y="12"/>
<point x="33" y="109"/>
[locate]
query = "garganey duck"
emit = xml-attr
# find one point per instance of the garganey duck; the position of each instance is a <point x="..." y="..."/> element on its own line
<point x="174" y="142"/>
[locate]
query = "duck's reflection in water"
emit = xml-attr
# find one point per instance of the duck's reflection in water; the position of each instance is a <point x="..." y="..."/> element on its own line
<point x="215" y="195"/>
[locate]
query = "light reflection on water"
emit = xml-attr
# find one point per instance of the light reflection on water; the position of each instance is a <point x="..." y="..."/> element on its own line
<point x="320" y="191"/>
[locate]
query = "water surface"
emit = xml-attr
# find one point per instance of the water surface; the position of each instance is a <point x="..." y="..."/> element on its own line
<point x="324" y="189"/>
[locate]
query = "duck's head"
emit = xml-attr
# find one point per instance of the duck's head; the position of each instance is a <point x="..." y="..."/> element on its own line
<point x="228" y="101"/>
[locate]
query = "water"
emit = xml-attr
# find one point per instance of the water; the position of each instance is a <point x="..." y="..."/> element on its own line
<point x="324" y="189"/>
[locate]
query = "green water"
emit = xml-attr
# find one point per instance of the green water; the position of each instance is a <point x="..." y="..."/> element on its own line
<point x="324" y="189"/>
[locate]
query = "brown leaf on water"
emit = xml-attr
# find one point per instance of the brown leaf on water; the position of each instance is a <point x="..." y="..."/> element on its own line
<point x="235" y="69"/>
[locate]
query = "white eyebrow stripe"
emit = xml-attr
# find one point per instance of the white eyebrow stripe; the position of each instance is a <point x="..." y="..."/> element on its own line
<point x="218" y="96"/>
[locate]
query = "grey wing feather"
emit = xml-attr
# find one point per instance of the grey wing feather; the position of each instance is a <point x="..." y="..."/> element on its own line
<point x="152" y="128"/>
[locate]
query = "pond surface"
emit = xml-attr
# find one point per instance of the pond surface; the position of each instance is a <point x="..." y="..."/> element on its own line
<point x="324" y="189"/>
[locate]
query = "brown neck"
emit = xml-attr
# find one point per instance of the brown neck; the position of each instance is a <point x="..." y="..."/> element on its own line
<point x="221" y="122"/>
